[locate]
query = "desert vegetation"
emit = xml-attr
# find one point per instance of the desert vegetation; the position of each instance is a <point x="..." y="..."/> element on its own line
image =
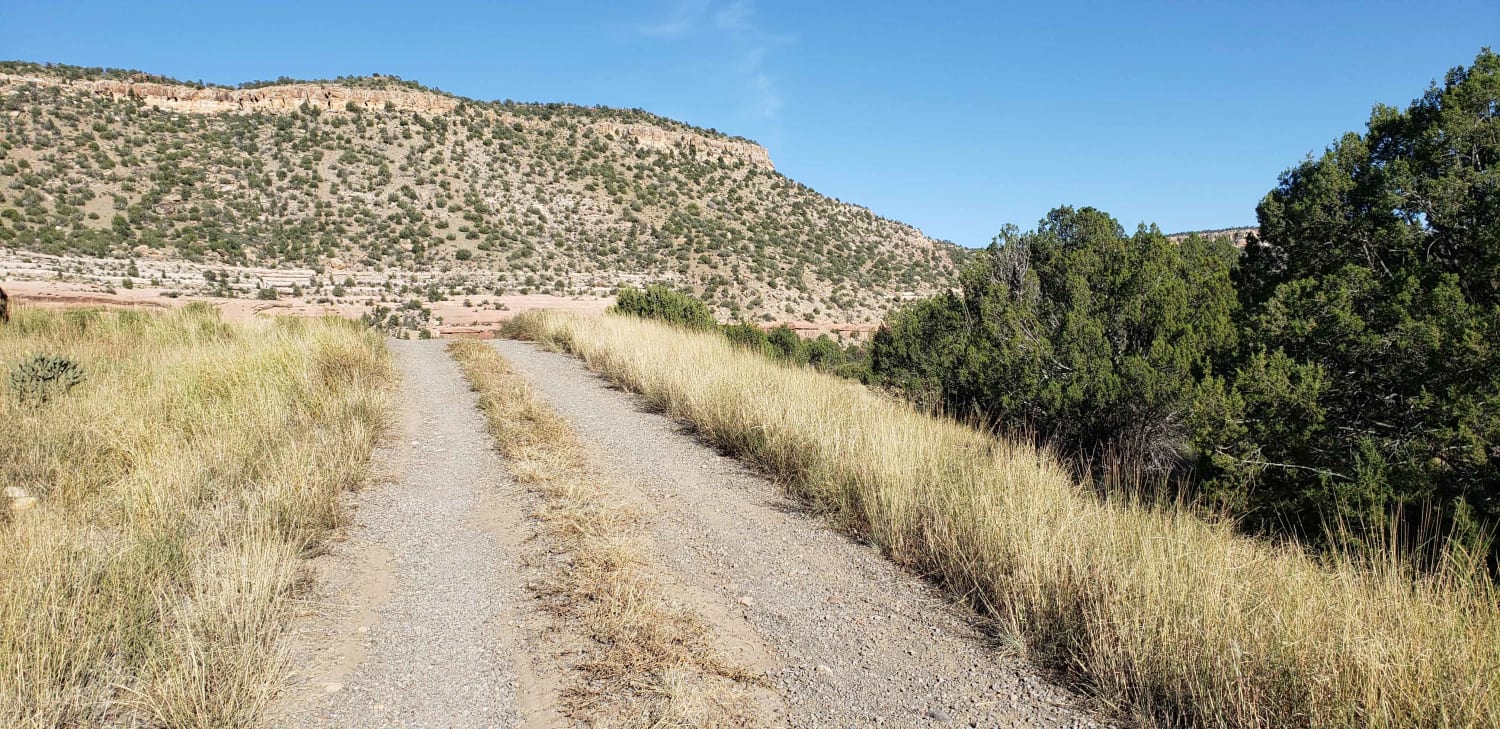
<point x="165" y="476"/>
<point x="500" y="197"/>
<point x="646" y="660"/>
<point x="1156" y="609"/>
<point x="1339" y="381"/>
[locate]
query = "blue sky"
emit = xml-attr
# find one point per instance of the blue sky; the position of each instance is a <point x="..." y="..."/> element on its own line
<point x="955" y="117"/>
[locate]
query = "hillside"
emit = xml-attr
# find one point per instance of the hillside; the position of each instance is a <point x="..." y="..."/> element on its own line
<point x="376" y="175"/>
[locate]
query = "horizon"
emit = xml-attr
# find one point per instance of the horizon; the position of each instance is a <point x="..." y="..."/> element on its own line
<point x="956" y="161"/>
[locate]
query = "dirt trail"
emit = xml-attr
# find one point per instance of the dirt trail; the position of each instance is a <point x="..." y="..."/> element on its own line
<point x="422" y="619"/>
<point x="847" y="638"/>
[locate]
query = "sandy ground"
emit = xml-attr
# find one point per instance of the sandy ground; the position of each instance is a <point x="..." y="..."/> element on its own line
<point x="36" y="279"/>
<point x="847" y="638"/>
<point x="487" y="313"/>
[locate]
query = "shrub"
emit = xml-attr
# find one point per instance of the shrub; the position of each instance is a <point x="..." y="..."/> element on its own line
<point x="1371" y="376"/>
<point x="661" y="303"/>
<point x="824" y="353"/>
<point x="749" y="336"/>
<point x="1341" y="377"/>
<point x="42" y="377"/>
<point x="786" y="345"/>
<point x="1088" y="336"/>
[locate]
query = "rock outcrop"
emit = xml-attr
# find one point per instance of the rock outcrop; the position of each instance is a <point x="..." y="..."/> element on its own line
<point x="336" y="98"/>
<point x="658" y="139"/>
<point x="282" y="99"/>
<point x="1240" y="237"/>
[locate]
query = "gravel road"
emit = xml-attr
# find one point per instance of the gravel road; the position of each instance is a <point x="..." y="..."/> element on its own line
<point x="422" y="620"/>
<point x="852" y="640"/>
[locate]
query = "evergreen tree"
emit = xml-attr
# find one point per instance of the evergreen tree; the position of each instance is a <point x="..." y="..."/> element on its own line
<point x="1091" y="338"/>
<point x="1371" y="376"/>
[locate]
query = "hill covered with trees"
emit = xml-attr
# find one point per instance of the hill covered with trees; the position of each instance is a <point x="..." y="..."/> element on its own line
<point x="379" y="174"/>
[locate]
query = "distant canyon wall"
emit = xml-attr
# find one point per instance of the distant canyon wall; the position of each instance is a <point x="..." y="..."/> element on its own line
<point x="335" y="98"/>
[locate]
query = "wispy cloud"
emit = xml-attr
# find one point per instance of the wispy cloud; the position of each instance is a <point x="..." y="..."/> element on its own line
<point x="735" y="24"/>
<point x="736" y="16"/>
<point x="684" y="18"/>
<point x="764" y="100"/>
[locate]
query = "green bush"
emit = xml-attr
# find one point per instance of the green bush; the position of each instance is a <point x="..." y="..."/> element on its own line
<point x="749" y="336"/>
<point x="40" y="378"/>
<point x="660" y="302"/>
<point x="1341" y="377"/>
<point x="786" y="345"/>
<point x="1076" y="331"/>
<point x="824" y="353"/>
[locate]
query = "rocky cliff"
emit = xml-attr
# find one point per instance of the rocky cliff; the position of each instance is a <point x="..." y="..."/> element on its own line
<point x="342" y="99"/>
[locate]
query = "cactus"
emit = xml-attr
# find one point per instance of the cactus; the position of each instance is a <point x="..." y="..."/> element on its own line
<point x="43" y="377"/>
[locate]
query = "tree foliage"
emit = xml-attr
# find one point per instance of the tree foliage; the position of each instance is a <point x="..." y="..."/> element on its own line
<point x="1371" y="374"/>
<point x="1090" y="337"/>
<point x="1344" y="371"/>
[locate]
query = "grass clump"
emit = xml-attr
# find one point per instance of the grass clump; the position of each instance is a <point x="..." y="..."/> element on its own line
<point x="646" y="663"/>
<point x="1158" y="611"/>
<point x="177" y="489"/>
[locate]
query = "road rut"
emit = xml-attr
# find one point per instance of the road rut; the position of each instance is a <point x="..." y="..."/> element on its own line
<point x="423" y="618"/>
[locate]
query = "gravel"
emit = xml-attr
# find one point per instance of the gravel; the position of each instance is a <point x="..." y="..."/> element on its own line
<point x="424" y="621"/>
<point x="853" y="640"/>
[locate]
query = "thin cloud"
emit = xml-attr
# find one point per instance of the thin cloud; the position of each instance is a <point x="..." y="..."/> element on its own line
<point x="736" y="16"/>
<point x="764" y="101"/>
<point x="734" y="23"/>
<point x="683" y="19"/>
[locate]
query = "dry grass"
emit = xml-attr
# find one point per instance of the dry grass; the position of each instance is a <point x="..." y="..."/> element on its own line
<point x="646" y="663"/>
<point x="180" y="486"/>
<point x="1157" y="611"/>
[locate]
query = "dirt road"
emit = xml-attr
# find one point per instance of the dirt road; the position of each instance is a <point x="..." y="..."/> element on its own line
<point x="423" y="620"/>
<point x="852" y="640"/>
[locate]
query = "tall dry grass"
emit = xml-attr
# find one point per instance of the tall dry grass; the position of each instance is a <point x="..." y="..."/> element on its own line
<point x="179" y="487"/>
<point x="1157" y="611"/>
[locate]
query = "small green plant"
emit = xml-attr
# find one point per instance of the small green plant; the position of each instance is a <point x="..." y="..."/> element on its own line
<point x="43" y="377"/>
